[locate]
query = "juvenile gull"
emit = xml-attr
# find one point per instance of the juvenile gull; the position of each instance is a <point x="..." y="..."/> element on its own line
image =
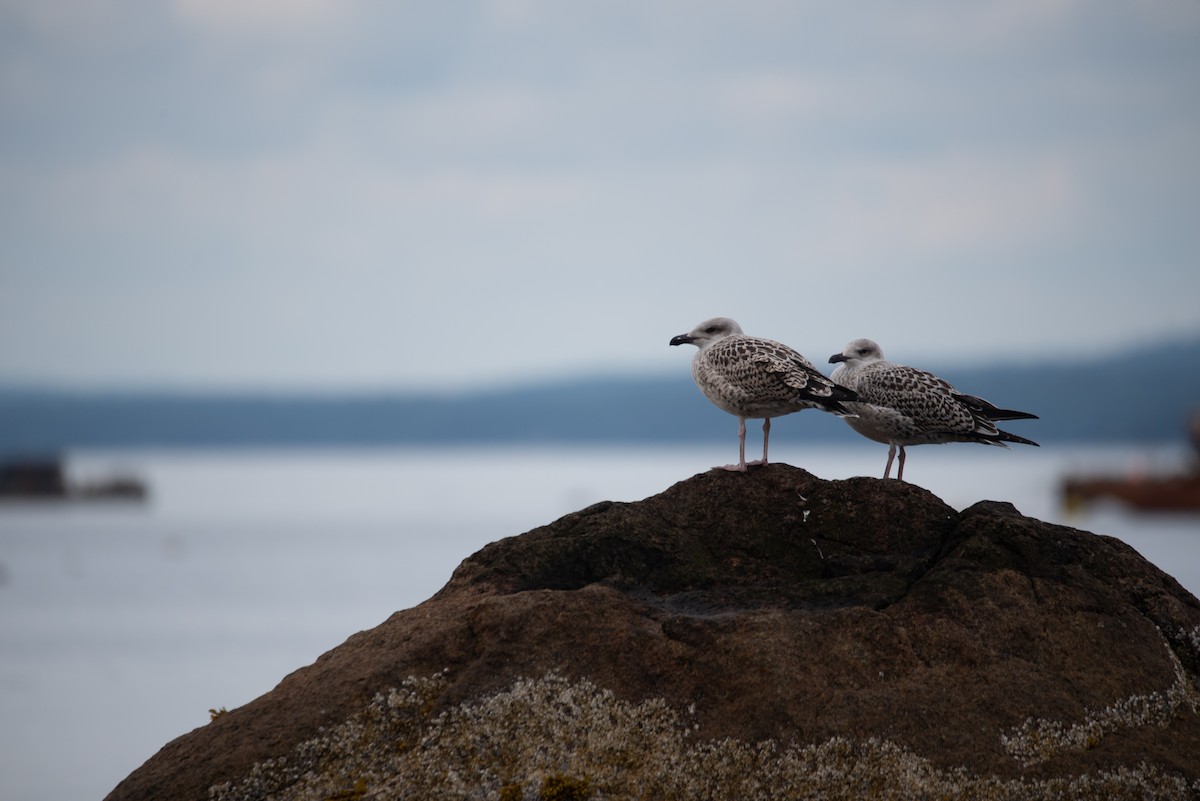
<point x="755" y="378"/>
<point x="906" y="406"/>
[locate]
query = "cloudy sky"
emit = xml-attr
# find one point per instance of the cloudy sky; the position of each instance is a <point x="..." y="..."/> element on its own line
<point x="338" y="194"/>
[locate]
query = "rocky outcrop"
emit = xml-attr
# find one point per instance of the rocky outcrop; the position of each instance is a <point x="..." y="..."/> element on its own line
<point x="981" y="646"/>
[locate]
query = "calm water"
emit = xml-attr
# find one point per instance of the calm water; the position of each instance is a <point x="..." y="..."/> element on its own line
<point x="122" y="624"/>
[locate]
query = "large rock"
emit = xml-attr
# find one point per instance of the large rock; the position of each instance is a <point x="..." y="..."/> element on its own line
<point x="785" y="608"/>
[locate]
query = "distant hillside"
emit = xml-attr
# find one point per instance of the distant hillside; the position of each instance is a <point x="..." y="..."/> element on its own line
<point x="1140" y="395"/>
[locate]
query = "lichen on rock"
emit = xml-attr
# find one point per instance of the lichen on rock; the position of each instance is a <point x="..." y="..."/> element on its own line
<point x="1038" y="739"/>
<point x="553" y="739"/>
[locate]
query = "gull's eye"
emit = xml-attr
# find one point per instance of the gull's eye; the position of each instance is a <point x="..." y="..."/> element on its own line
<point x="712" y="329"/>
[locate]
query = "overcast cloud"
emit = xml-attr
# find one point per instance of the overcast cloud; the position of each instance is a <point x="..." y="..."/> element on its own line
<point x="332" y="194"/>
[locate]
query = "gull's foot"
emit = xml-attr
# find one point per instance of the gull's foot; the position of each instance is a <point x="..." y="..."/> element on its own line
<point x="756" y="463"/>
<point x="733" y="468"/>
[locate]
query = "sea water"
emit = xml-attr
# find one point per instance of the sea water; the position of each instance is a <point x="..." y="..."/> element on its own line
<point x="122" y="624"/>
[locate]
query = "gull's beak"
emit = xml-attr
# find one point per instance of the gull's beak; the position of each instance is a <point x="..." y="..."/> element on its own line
<point x="682" y="339"/>
<point x="837" y="357"/>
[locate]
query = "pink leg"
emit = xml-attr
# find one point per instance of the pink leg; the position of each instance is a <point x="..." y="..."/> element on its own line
<point x="766" y="436"/>
<point x="900" y="471"/>
<point x="740" y="467"/>
<point x="887" y="471"/>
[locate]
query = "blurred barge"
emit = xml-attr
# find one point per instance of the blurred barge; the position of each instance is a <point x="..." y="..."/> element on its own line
<point x="44" y="479"/>
<point x="1178" y="492"/>
<point x="1171" y="493"/>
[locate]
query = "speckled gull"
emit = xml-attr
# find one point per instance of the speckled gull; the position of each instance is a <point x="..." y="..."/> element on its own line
<point x="902" y="405"/>
<point x="755" y="378"/>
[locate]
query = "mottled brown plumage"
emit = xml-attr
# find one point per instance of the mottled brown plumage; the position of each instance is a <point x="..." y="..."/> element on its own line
<point x="755" y="378"/>
<point x="901" y="405"/>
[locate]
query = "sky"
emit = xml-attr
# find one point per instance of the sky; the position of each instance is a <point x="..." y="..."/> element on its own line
<point x="344" y="195"/>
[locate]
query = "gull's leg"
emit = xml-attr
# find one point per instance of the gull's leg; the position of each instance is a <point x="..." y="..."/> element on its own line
<point x="740" y="467"/>
<point x="900" y="472"/>
<point x="891" y="455"/>
<point x="766" y="436"/>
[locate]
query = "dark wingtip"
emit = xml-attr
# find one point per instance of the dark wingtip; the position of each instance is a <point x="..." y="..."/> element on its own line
<point x="1007" y="437"/>
<point x="841" y="395"/>
<point x="992" y="413"/>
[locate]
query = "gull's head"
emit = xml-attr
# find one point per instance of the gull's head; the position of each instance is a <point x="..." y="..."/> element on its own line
<point x="857" y="353"/>
<point x="708" y="332"/>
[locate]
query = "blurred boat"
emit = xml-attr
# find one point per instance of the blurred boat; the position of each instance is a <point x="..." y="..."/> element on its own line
<point x="1141" y="491"/>
<point x="45" y="479"/>
<point x="1171" y="493"/>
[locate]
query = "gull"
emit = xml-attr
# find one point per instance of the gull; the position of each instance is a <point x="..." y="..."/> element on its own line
<point x="901" y="405"/>
<point x="755" y="378"/>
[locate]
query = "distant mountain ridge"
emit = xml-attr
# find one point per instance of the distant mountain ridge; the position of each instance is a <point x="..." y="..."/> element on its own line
<point x="1144" y="394"/>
